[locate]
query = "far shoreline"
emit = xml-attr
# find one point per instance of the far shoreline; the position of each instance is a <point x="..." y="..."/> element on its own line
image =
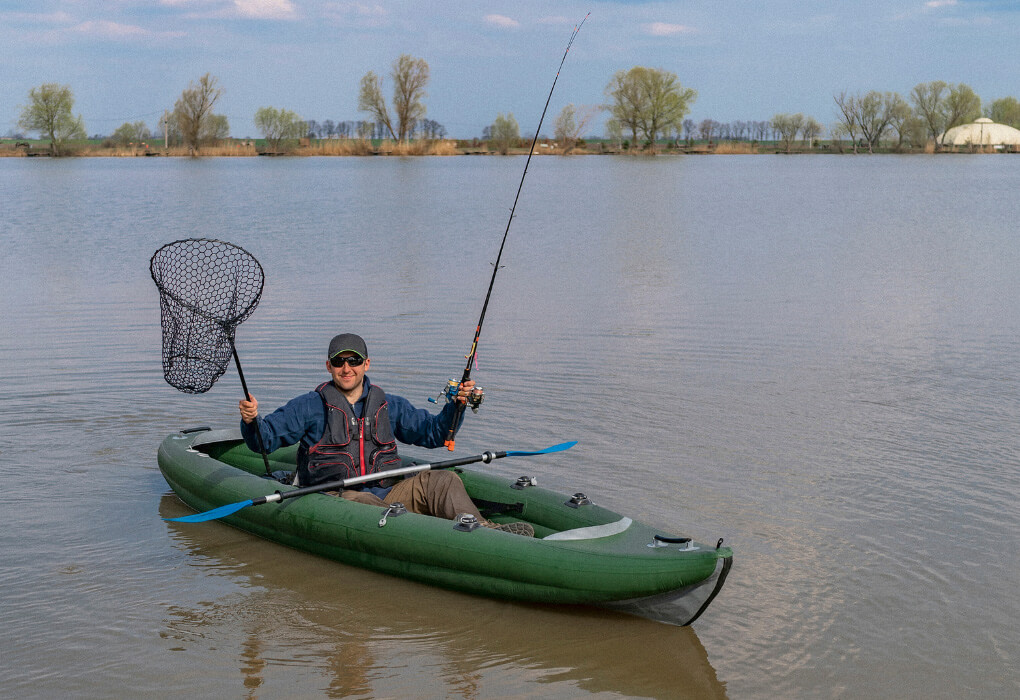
<point x="251" y="148"/>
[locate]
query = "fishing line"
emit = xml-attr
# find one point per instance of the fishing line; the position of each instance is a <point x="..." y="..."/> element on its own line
<point x="476" y="399"/>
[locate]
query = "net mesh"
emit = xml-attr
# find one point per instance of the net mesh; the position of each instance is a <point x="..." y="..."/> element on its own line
<point x="206" y="289"/>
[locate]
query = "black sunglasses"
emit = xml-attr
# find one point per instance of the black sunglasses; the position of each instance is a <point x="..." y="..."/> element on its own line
<point x="353" y="361"/>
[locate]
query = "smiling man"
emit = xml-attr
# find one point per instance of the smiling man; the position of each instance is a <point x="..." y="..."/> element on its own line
<point x="350" y="427"/>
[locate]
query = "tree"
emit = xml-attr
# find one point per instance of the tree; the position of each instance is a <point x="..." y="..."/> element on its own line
<point x="565" y="130"/>
<point x="850" y="116"/>
<point x="128" y="133"/>
<point x="707" y="128"/>
<point x="571" y="123"/>
<point x="873" y="118"/>
<point x="193" y="114"/>
<point x="929" y="105"/>
<point x="962" y="105"/>
<point x="505" y="133"/>
<point x="1005" y="110"/>
<point x="371" y="100"/>
<point x="689" y="128"/>
<point x="810" y="130"/>
<point x="901" y="119"/>
<point x="49" y="112"/>
<point x="650" y="101"/>
<point x="278" y="126"/>
<point x="614" y="132"/>
<point x="788" y="126"/>
<point x="410" y="76"/>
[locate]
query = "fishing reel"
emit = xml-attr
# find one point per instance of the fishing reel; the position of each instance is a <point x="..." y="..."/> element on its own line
<point x="474" y="397"/>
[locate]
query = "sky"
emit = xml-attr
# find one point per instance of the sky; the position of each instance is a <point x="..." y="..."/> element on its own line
<point x="128" y="60"/>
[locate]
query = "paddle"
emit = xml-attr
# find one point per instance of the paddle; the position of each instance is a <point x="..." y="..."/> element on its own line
<point x="485" y="457"/>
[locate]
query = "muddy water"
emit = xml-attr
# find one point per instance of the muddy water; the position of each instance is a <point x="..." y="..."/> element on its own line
<point x="815" y="358"/>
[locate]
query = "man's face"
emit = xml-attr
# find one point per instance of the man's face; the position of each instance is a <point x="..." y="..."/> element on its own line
<point x="347" y="378"/>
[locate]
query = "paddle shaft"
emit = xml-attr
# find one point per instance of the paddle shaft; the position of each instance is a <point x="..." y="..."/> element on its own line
<point x="341" y="484"/>
<point x="247" y="397"/>
<point x="451" y="434"/>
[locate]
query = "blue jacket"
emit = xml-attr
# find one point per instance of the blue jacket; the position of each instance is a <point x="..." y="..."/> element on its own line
<point x="303" y="419"/>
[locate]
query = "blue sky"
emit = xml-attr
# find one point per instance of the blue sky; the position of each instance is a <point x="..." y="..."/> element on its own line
<point x="128" y="60"/>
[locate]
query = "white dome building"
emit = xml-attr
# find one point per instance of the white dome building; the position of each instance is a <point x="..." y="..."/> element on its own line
<point x="983" y="132"/>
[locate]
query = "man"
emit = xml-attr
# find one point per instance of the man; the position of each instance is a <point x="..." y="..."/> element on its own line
<point x="349" y="427"/>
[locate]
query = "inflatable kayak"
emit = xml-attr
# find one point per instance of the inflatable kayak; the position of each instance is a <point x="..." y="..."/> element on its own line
<point x="581" y="553"/>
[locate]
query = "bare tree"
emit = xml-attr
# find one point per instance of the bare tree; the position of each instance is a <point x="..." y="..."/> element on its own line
<point x="371" y="100"/>
<point x="850" y="115"/>
<point x="193" y="113"/>
<point x="689" y="128"/>
<point x="571" y="123"/>
<point x="707" y="128"/>
<point x="410" y="76"/>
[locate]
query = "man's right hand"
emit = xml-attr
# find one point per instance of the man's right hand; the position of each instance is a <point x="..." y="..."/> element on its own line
<point x="249" y="409"/>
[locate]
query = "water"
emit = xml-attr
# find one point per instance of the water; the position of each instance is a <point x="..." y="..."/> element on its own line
<point x="813" y="357"/>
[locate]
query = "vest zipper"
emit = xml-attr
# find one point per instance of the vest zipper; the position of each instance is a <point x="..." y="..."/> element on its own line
<point x="361" y="444"/>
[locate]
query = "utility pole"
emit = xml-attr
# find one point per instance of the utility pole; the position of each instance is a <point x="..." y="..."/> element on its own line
<point x="166" y="129"/>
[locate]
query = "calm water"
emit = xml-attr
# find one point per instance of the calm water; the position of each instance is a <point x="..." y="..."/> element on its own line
<point x="816" y="358"/>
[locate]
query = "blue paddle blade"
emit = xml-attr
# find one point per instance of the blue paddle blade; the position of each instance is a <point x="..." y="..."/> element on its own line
<point x="213" y="514"/>
<point x="555" y="448"/>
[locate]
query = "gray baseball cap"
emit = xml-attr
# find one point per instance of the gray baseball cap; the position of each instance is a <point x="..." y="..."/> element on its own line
<point x="347" y="342"/>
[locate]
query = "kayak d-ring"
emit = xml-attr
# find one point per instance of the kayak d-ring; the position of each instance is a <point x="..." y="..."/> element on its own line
<point x="524" y="482"/>
<point x="394" y="509"/>
<point x="466" y="522"/>
<point x="578" y="500"/>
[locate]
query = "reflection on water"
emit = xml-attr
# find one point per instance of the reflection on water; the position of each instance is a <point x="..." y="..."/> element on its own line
<point x="362" y="634"/>
<point x="814" y="358"/>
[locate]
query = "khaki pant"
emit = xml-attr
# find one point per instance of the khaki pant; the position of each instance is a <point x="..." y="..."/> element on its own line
<point x="440" y="493"/>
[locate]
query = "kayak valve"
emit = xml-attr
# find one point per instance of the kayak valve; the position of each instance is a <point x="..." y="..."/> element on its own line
<point x="524" y="482"/>
<point x="578" y="500"/>
<point x="466" y="522"/>
<point x="394" y="509"/>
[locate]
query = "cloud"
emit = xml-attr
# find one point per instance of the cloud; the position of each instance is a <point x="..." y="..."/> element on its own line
<point x="36" y="17"/>
<point x="265" y="9"/>
<point x="940" y="3"/>
<point x="115" y="31"/>
<point x="356" y="14"/>
<point x="664" y="29"/>
<point x="228" y="9"/>
<point x="501" y="21"/>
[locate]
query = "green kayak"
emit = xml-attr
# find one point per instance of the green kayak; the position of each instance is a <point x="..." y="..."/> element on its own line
<point x="581" y="553"/>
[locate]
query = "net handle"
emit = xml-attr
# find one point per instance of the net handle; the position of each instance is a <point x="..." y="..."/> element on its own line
<point x="247" y="397"/>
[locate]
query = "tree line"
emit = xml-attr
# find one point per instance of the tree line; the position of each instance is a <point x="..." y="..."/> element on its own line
<point x="644" y="106"/>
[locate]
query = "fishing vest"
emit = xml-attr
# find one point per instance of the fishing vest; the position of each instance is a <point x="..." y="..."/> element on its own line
<point x="350" y="446"/>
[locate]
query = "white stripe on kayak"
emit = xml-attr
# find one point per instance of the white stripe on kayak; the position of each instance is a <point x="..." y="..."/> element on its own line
<point x="593" y="532"/>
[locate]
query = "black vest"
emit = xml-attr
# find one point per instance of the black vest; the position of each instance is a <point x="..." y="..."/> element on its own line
<point x="349" y="446"/>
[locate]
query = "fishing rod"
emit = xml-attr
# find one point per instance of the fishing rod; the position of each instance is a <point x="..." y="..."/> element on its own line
<point x="476" y="396"/>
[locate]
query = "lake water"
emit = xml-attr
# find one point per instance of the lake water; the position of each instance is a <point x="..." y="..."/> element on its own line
<point x="817" y="358"/>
